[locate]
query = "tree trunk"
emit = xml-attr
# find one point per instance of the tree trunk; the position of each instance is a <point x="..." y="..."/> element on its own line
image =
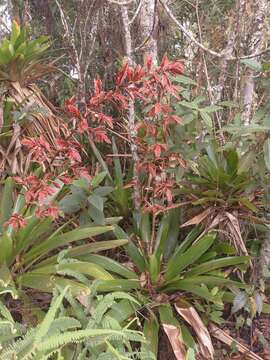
<point x="227" y="54"/>
<point x="131" y="111"/>
<point x="256" y="43"/>
<point x="148" y="29"/>
<point x="264" y="261"/>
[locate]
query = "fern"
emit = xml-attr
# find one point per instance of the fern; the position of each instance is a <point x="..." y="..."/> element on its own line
<point x="94" y="337"/>
<point x="46" y="323"/>
<point x="76" y="275"/>
<point x="77" y="309"/>
<point x="98" y="336"/>
<point x="108" y="301"/>
<point x="63" y="324"/>
<point x="4" y="312"/>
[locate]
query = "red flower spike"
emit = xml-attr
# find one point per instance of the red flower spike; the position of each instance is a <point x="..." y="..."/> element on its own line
<point x="164" y="62"/>
<point x="73" y="110"/>
<point x="16" y="221"/>
<point x="175" y="68"/>
<point x="153" y="208"/>
<point x="97" y="86"/>
<point x="80" y="171"/>
<point x="164" y="189"/>
<point x="74" y="155"/>
<point x="104" y="119"/>
<point x="158" y="109"/>
<point x="65" y="179"/>
<point x="82" y="127"/>
<point x="139" y="73"/>
<point x="171" y="119"/>
<point x="39" y="148"/>
<point x="148" y="62"/>
<point x="44" y="192"/>
<point x="122" y="75"/>
<point x="100" y="135"/>
<point x="51" y="211"/>
<point x="158" y="148"/>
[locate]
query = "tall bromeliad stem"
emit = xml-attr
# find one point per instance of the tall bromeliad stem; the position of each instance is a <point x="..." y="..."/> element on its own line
<point x="145" y="93"/>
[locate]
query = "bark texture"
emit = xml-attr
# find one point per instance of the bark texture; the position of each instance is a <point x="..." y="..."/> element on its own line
<point x="256" y="43"/>
<point x="148" y="28"/>
<point x="131" y="110"/>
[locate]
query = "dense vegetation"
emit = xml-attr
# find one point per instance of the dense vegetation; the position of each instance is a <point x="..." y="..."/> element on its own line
<point x="134" y="216"/>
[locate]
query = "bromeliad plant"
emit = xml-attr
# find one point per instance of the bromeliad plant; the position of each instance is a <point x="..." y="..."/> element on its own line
<point x="223" y="193"/>
<point x="168" y="278"/>
<point x="30" y="236"/>
<point x="22" y="62"/>
<point x="153" y="92"/>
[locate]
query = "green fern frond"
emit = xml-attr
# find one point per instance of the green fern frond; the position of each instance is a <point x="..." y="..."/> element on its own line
<point x="22" y="349"/>
<point x="78" y="276"/>
<point x="77" y="309"/>
<point x="5" y="313"/>
<point x="49" y="317"/>
<point x="109" y="322"/>
<point x="63" y="324"/>
<point x="108" y="301"/>
<point x="97" y="335"/>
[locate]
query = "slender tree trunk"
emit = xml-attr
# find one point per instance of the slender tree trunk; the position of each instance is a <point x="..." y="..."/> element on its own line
<point x="148" y="28"/>
<point x="131" y="111"/>
<point x="227" y="54"/>
<point x="264" y="261"/>
<point x="256" y="43"/>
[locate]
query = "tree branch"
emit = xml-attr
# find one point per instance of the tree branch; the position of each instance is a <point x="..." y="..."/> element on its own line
<point x="136" y="12"/>
<point x="186" y="32"/>
<point x="191" y="37"/>
<point x="122" y="3"/>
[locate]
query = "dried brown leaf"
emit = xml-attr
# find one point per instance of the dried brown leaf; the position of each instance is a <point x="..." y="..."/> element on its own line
<point x="198" y="218"/>
<point x="216" y="221"/>
<point x="191" y="316"/>
<point x="174" y="335"/>
<point x="236" y="232"/>
<point x="222" y="336"/>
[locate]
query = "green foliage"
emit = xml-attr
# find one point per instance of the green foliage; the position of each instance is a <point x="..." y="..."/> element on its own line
<point x="68" y="336"/>
<point x="22" y="59"/>
<point x="221" y="187"/>
<point x="219" y="177"/>
<point x="86" y="199"/>
<point x="30" y="255"/>
<point x="165" y="268"/>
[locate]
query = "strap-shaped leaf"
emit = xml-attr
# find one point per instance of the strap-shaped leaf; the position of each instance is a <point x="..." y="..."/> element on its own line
<point x="181" y="261"/>
<point x="151" y="331"/>
<point x="110" y="265"/>
<point x="217" y="264"/>
<point x="6" y="204"/>
<point x="65" y="239"/>
<point x="131" y="248"/>
<point x="117" y="285"/>
<point x="47" y="283"/>
<point x="93" y="270"/>
<point x="84" y="250"/>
